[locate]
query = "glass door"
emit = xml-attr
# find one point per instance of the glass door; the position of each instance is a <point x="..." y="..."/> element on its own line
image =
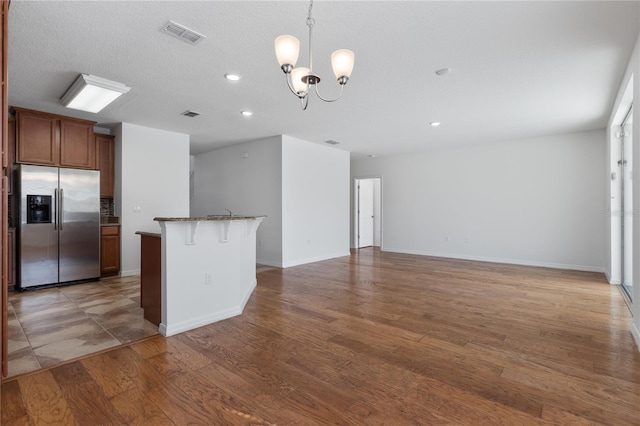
<point x="626" y="167"/>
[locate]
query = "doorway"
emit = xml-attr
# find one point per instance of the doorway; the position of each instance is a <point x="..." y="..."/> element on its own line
<point x="368" y="212"/>
<point x="625" y="165"/>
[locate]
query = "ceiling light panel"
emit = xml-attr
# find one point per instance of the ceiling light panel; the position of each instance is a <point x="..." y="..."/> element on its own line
<point x="92" y="94"/>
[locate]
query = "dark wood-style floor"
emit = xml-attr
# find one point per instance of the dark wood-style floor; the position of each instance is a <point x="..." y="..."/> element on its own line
<point x="372" y="339"/>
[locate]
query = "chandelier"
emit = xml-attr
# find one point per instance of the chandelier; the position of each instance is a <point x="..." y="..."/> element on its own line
<point x="301" y="79"/>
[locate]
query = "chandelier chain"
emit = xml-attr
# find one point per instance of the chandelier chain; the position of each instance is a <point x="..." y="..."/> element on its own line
<point x="310" y="20"/>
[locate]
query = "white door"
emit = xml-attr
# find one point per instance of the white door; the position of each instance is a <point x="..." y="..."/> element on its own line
<point x="365" y="213"/>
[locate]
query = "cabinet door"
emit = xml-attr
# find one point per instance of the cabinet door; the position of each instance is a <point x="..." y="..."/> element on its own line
<point x="105" y="150"/>
<point x="37" y="138"/>
<point x="109" y="250"/>
<point x="77" y="145"/>
<point x="11" y="258"/>
<point x="11" y="147"/>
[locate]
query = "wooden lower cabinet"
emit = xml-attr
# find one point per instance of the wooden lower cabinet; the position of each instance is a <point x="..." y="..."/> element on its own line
<point x="151" y="276"/>
<point x="11" y="259"/>
<point x="109" y="250"/>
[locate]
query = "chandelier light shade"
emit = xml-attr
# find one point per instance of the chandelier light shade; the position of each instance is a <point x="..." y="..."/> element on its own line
<point x="287" y="50"/>
<point x="92" y="94"/>
<point x="342" y="63"/>
<point x="299" y="86"/>
<point x="301" y="79"/>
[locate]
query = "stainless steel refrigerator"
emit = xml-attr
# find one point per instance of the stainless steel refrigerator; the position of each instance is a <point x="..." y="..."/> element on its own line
<point x="59" y="235"/>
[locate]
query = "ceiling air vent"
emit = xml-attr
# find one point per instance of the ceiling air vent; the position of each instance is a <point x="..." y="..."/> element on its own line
<point x="332" y="142"/>
<point x="183" y="33"/>
<point x="189" y="113"/>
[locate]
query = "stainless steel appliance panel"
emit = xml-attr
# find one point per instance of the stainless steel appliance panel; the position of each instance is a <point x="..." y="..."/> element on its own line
<point x="38" y="241"/>
<point x="60" y="225"/>
<point x="79" y="224"/>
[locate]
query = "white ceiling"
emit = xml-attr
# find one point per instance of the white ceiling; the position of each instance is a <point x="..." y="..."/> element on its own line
<point x="519" y="69"/>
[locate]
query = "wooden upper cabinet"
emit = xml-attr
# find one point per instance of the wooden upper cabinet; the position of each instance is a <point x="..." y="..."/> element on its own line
<point x="105" y="158"/>
<point x="77" y="145"/>
<point x="37" y="138"/>
<point x="54" y="140"/>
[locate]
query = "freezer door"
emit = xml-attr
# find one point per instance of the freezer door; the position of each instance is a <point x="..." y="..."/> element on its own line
<point x="79" y="223"/>
<point x="38" y="241"/>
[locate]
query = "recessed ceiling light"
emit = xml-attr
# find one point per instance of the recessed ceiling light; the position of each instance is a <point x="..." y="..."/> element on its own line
<point x="232" y="77"/>
<point x="246" y="113"/>
<point x="332" y="142"/>
<point x="443" y="71"/>
<point x="434" y="124"/>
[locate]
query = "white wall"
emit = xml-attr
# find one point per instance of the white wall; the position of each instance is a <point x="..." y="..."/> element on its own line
<point x="536" y="201"/>
<point x="152" y="172"/>
<point x="631" y="77"/>
<point x="315" y="202"/>
<point x="252" y="186"/>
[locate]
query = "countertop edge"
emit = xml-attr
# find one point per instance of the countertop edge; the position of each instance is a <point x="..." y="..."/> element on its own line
<point x="205" y="218"/>
<point x="149" y="234"/>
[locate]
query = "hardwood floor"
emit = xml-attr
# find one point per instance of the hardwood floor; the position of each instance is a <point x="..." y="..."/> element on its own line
<point x="373" y="339"/>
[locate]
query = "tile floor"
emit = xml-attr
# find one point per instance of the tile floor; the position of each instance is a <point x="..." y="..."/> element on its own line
<point x="53" y="325"/>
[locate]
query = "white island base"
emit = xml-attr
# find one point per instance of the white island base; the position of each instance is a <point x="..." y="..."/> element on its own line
<point x="208" y="269"/>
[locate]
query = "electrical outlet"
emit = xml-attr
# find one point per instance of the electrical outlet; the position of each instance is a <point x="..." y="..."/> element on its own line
<point x="446" y="238"/>
<point x="467" y="239"/>
<point x="208" y="278"/>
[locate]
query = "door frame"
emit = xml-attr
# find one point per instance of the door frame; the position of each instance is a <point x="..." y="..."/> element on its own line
<point x="354" y="210"/>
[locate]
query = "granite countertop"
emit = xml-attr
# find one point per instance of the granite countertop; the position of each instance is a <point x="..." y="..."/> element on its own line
<point x="205" y="218"/>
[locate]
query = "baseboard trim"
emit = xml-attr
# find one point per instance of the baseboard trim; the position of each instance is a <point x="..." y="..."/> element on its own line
<point x="636" y="335"/>
<point x="203" y="320"/>
<point x="130" y="273"/>
<point x="269" y="263"/>
<point x="522" y="262"/>
<point x="315" y="259"/>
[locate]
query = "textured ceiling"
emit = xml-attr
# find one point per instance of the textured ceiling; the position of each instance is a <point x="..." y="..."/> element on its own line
<point x="519" y="69"/>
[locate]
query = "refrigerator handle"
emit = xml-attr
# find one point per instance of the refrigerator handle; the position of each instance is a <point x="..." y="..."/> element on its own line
<point x="55" y="203"/>
<point x="61" y="208"/>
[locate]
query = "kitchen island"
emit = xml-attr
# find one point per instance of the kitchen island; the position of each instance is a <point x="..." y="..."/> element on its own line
<point x="208" y="269"/>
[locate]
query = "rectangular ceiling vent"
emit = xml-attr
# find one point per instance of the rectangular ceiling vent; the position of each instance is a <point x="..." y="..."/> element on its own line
<point x="332" y="142"/>
<point x="189" y="113"/>
<point x="181" y="32"/>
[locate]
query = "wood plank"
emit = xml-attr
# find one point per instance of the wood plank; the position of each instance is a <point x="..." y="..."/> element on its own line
<point x="12" y="403"/>
<point x="44" y="400"/>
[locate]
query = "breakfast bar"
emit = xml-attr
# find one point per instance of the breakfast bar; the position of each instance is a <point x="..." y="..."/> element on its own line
<point x="208" y="269"/>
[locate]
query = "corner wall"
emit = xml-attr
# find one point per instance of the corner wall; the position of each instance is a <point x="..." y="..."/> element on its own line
<point x="152" y="172"/>
<point x="223" y="179"/>
<point x="533" y="202"/>
<point x="302" y="188"/>
<point x="315" y="202"/>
